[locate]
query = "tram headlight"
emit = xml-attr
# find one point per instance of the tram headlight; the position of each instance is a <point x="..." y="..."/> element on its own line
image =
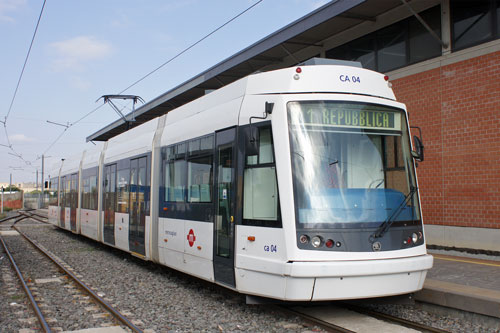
<point x="304" y="239"/>
<point x="316" y="241"/>
<point x="414" y="237"/>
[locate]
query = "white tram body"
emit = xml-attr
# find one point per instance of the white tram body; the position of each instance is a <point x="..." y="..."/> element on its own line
<point x="296" y="184"/>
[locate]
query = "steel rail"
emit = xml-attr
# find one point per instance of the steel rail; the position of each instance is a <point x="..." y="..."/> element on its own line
<point x="34" y="214"/>
<point x="10" y="218"/>
<point x="101" y="301"/>
<point x="35" y="217"/>
<point x="323" y="324"/>
<point x="24" y="214"/>
<point x="33" y="302"/>
<point x="387" y="317"/>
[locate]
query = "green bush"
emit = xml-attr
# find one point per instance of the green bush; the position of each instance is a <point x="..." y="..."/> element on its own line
<point x="12" y="188"/>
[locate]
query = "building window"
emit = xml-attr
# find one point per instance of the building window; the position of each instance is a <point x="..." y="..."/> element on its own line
<point x="473" y="22"/>
<point x="422" y="44"/>
<point x="497" y="13"/>
<point x="391" y="50"/>
<point x="395" y="46"/>
<point x="361" y="49"/>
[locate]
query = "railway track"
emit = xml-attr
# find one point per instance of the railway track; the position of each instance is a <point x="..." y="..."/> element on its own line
<point x="347" y="318"/>
<point x="333" y="317"/>
<point x="59" y="285"/>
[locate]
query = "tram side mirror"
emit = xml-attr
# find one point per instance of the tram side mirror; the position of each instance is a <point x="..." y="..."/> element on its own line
<point x="418" y="153"/>
<point x="252" y="141"/>
<point x="269" y="108"/>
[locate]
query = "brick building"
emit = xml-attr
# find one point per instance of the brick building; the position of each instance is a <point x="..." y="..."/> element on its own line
<point x="455" y="99"/>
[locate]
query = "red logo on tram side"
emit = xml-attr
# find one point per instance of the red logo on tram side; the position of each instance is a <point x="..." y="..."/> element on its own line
<point x="191" y="237"/>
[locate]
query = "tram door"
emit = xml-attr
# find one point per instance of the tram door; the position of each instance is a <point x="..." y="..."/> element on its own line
<point x="73" y="203"/>
<point x="62" y="206"/>
<point x="225" y="190"/>
<point x="139" y="196"/>
<point x="109" y="204"/>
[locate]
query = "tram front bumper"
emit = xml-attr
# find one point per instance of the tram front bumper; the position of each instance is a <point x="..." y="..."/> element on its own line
<point x="336" y="280"/>
<point x="363" y="278"/>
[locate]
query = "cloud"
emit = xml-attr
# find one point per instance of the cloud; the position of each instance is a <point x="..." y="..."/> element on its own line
<point x="20" y="138"/>
<point x="75" y="53"/>
<point x="7" y="6"/>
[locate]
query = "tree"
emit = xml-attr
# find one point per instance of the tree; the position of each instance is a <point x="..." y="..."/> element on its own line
<point x="12" y="188"/>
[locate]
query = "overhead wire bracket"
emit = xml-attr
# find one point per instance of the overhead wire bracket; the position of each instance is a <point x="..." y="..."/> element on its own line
<point x="109" y="99"/>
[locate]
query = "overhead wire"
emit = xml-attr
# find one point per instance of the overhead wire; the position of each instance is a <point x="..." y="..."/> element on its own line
<point x="190" y="47"/>
<point x="17" y="88"/>
<point x="25" y="61"/>
<point x="158" y="68"/>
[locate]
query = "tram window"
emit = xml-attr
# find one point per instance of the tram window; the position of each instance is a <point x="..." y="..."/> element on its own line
<point x="202" y="145"/>
<point x="200" y="172"/>
<point x="194" y="146"/>
<point x="63" y="179"/>
<point x="123" y="190"/>
<point x="265" y="149"/>
<point x="175" y="173"/>
<point x="67" y="189"/>
<point x="207" y="144"/>
<point x="180" y="150"/>
<point x="200" y="179"/>
<point x="170" y="153"/>
<point x="54" y="188"/>
<point x="260" y="193"/>
<point x="89" y="186"/>
<point x="93" y="192"/>
<point x="86" y="191"/>
<point x="188" y="171"/>
<point x="395" y="172"/>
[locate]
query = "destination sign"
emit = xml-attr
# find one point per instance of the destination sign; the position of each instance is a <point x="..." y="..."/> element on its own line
<point x="350" y="117"/>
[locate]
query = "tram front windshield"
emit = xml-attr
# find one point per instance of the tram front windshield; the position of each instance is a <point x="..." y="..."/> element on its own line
<point x="352" y="165"/>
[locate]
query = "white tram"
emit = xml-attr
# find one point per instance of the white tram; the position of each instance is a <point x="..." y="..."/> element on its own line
<point x="296" y="184"/>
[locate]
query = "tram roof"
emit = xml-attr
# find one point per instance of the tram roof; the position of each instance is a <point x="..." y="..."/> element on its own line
<point x="293" y="44"/>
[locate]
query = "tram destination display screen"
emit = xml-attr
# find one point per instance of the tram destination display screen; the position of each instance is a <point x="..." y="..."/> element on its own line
<point x="350" y="115"/>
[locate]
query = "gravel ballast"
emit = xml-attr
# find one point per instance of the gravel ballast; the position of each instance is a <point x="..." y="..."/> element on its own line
<point x="159" y="299"/>
<point x="156" y="298"/>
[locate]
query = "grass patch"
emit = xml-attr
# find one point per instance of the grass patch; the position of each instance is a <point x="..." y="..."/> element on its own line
<point x="17" y="297"/>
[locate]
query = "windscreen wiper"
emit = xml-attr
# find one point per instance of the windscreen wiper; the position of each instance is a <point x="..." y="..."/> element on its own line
<point x="382" y="229"/>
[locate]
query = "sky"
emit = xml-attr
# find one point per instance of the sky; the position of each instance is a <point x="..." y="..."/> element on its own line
<point x="84" y="49"/>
